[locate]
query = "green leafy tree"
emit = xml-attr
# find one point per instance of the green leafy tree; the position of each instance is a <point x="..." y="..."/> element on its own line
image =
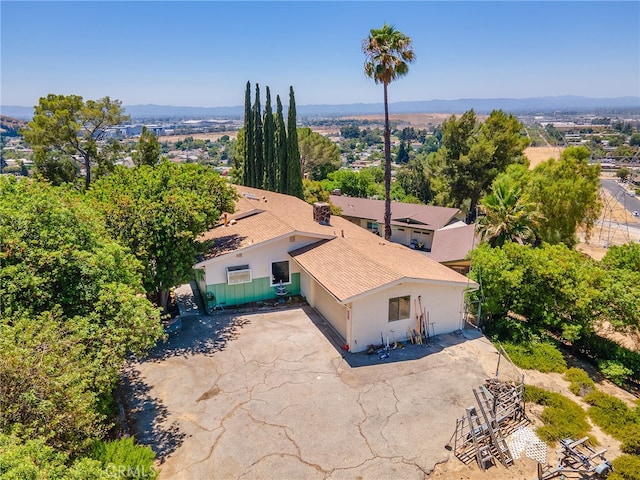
<point x="350" y="131"/>
<point x="257" y="179"/>
<point x="238" y="160"/>
<point x="634" y="139"/>
<point x="403" y="155"/>
<point x="388" y="54"/>
<point x="294" y="173"/>
<point x="71" y="312"/>
<point x="415" y="178"/>
<point x="158" y="213"/>
<point x="505" y="216"/>
<point x="148" y="151"/>
<point x="249" y="162"/>
<point x="624" y="151"/>
<point x="352" y="184"/>
<point x="623" y="173"/>
<point x="45" y="382"/>
<point x="270" y="162"/>
<point x="553" y="287"/>
<point x="282" y="153"/>
<point x="56" y="168"/>
<point x="474" y="154"/>
<point x="625" y="256"/>
<point x="314" y="191"/>
<point x="319" y="155"/>
<point x="565" y="193"/>
<point x="71" y="126"/>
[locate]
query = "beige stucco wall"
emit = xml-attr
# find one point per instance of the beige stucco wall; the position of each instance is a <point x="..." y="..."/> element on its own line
<point x="329" y="308"/>
<point x="370" y="314"/>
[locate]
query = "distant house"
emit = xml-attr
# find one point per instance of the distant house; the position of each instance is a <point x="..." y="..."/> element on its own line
<point x="276" y="245"/>
<point x="440" y="232"/>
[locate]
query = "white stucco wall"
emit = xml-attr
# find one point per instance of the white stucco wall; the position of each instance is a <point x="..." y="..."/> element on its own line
<point x="405" y="237"/>
<point x="258" y="258"/>
<point x="370" y="315"/>
<point x="400" y="235"/>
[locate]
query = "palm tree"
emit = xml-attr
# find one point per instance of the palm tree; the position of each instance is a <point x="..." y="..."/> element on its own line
<point x="388" y="54"/>
<point x="506" y="217"/>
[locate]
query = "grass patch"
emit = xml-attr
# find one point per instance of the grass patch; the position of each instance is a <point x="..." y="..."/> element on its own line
<point x="562" y="417"/>
<point x="580" y="382"/>
<point x="614" y="417"/>
<point x="542" y="356"/>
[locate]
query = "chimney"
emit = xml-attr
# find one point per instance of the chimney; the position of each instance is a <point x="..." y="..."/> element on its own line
<point x="322" y="213"/>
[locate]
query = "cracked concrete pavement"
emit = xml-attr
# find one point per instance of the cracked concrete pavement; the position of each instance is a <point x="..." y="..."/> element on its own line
<point x="267" y="395"/>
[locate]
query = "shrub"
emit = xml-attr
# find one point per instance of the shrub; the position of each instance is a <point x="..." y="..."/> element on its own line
<point x="631" y="443"/>
<point x="626" y="467"/>
<point x="614" y="371"/>
<point x="130" y="461"/>
<point x="509" y="329"/>
<point x="611" y="414"/>
<point x="581" y="383"/>
<point x="542" y="356"/>
<point x="563" y="418"/>
<point x="34" y="460"/>
<point x="603" y="348"/>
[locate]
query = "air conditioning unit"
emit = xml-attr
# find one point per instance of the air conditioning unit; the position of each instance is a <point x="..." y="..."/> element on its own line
<point x="239" y="274"/>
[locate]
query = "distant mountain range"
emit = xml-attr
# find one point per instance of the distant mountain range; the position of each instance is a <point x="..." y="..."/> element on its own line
<point x="531" y="105"/>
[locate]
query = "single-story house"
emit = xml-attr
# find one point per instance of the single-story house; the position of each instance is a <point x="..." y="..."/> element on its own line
<point x="440" y="232"/>
<point x="275" y="245"/>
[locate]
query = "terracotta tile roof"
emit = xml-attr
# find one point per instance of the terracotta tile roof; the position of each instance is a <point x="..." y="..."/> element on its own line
<point x="347" y="260"/>
<point x="428" y="215"/>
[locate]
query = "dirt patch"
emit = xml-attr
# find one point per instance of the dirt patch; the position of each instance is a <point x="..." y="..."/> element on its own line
<point x="522" y="469"/>
<point x="609" y="230"/>
<point x="537" y="155"/>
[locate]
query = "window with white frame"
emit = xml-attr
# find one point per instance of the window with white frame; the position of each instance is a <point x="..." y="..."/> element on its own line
<point x="280" y="272"/>
<point x="238" y="274"/>
<point x="399" y="308"/>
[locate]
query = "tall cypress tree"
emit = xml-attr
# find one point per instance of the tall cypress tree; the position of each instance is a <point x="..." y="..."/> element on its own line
<point x="249" y="157"/>
<point x="281" y="149"/>
<point x="270" y="170"/>
<point x="258" y="175"/>
<point x="294" y="180"/>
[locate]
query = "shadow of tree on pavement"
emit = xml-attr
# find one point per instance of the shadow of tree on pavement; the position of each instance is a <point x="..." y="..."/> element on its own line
<point x="147" y="416"/>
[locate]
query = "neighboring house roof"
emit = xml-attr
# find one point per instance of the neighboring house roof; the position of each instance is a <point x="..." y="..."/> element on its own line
<point x="347" y="260"/>
<point x="452" y="240"/>
<point x="429" y="216"/>
<point x="453" y="243"/>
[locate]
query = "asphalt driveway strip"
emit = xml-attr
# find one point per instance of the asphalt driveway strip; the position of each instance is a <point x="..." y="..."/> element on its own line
<point x="267" y="395"/>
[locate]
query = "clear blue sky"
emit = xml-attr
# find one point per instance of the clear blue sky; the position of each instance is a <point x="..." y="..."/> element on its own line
<point x="202" y="53"/>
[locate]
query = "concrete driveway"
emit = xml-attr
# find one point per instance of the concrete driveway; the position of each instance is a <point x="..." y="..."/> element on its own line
<point x="267" y="395"/>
